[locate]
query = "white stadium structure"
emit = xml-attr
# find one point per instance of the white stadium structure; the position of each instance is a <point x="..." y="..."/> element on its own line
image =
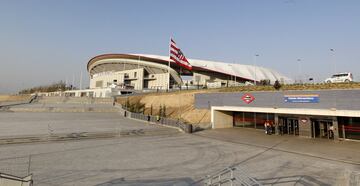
<point x="111" y="74"/>
<point x="152" y="71"/>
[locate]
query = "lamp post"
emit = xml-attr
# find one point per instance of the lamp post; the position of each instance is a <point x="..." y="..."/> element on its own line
<point x="235" y="73"/>
<point x="333" y="59"/>
<point x="231" y="75"/>
<point x="255" y="58"/>
<point x="300" y="73"/>
<point x="334" y="63"/>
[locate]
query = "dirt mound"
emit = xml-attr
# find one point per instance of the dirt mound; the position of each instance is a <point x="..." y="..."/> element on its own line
<point x="179" y="105"/>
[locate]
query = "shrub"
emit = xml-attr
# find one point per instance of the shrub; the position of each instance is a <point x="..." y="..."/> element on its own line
<point x="277" y="85"/>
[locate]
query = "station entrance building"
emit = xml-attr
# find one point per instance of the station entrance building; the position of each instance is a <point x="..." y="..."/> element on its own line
<point x="328" y="114"/>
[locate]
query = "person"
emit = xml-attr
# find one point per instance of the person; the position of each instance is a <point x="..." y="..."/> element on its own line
<point x="265" y="127"/>
<point x="280" y="127"/>
<point x="268" y="127"/>
<point x="157" y="118"/>
<point x="148" y="118"/>
<point x="331" y="132"/>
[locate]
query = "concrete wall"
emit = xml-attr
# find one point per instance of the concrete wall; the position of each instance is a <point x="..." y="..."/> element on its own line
<point x="155" y="81"/>
<point x="108" y="78"/>
<point x="221" y="119"/>
<point x="161" y="81"/>
<point x="304" y="126"/>
<point x="339" y="99"/>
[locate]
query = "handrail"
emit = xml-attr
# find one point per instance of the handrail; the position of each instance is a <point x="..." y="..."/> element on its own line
<point x="237" y="176"/>
<point x="15" y="178"/>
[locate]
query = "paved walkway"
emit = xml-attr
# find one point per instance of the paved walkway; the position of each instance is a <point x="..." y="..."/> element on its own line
<point x="342" y="151"/>
<point x="14" y="124"/>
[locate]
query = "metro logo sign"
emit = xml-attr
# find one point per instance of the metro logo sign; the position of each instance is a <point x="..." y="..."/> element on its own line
<point x="248" y="98"/>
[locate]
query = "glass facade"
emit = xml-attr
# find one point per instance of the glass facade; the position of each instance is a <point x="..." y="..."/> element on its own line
<point x="252" y="120"/>
<point x="350" y="127"/>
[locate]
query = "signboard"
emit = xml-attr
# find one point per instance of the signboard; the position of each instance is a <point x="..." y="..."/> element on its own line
<point x="310" y="98"/>
<point x="304" y="120"/>
<point x="248" y="98"/>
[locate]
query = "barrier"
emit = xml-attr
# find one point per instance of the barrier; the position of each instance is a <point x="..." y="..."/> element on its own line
<point x="188" y="128"/>
<point x="162" y="120"/>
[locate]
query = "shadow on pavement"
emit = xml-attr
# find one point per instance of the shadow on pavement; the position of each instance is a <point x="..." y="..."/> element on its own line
<point x="292" y="180"/>
<point x="158" y="182"/>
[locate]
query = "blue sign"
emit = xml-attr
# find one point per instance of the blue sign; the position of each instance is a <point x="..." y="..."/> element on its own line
<point x="313" y="98"/>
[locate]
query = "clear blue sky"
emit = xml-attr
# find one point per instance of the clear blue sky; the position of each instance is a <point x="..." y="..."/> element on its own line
<point x="43" y="41"/>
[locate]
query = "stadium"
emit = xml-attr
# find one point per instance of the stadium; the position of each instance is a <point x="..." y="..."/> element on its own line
<point x="140" y="72"/>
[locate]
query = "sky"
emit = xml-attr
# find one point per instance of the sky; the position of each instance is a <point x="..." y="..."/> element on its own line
<point x="45" y="41"/>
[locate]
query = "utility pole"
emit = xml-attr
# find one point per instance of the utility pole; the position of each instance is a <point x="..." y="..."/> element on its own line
<point x="255" y="58"/>
<point x="334" y="63"/>
<point x="299" y="69"/>
<point x="80" y="80"/>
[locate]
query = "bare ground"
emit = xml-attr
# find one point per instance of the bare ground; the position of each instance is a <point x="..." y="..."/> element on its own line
<point x="178" y="105"/>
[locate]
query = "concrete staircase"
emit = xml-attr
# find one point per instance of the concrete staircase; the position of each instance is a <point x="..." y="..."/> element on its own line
<point x="67" y="104"/>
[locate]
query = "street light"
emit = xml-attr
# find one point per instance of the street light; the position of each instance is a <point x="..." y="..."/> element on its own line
<point x="333" y="59"/>
<point x="235" y="73"/>
<point x="256" y="55"/>
<point x="300" y="73"/>
<point x="334" y="63"/>
<point x="231" y="75"/>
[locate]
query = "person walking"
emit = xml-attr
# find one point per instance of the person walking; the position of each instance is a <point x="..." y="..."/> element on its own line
<point x="157" y="118"/>
<point x="331" y="132"/>
<point x="268" y="127"/>
<point x="265" y="127"/>
<point x="280" y="127"/>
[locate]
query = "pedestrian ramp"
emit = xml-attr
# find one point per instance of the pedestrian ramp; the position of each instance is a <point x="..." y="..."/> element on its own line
<point x="10" y="180"/>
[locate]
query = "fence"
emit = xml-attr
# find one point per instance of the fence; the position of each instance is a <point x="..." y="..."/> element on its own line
<point x="162" y="120"/>
<point x="155" y="119"/>
<point x="231" y="176"/>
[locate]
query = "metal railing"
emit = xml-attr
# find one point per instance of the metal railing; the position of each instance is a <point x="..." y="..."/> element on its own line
<point x="156" y="119"/>
<point x="160" y="120"/>
<point x="231" y="176"/>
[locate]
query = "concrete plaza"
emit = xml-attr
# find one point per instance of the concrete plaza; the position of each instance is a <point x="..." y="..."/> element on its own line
<point x="173" y="159"/>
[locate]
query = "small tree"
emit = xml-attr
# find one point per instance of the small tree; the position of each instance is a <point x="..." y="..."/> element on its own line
<point x="265" y="82"/>
<point x="277" y="85"/>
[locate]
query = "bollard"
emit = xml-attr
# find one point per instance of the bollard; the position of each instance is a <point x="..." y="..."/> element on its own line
<point x="188" y="128"/>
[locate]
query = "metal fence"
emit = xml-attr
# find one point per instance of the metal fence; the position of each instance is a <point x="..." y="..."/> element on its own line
<point x="161" y="120"/>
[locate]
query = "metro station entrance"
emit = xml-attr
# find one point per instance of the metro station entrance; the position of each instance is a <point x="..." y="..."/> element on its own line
<point x="321" y="128"/>
<point x="289" y="125"/>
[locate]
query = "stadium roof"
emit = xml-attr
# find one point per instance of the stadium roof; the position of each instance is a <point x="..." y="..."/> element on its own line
<point x="248" y="72"/>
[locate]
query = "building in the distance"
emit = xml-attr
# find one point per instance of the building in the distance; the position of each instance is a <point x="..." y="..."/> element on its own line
<point x="141" y="72"/>
<point x="115" y="74"/>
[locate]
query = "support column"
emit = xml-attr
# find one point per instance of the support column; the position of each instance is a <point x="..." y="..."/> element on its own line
<point x="336" y="128"/>
<point x="276" y="121"/>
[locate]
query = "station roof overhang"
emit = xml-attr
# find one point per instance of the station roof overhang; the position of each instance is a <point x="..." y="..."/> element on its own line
<point x="291" y="111"/>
